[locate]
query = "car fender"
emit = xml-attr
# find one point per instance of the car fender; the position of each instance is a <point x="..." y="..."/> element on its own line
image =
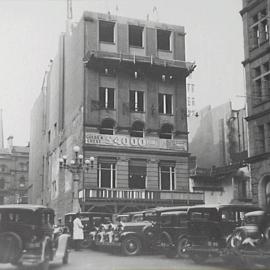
<point x="126" y="234"/>
<point x="181" y="236"/>
<point x="45" y="244"/>
<point x="62" y="243"/>
<point x="168" y="237"/>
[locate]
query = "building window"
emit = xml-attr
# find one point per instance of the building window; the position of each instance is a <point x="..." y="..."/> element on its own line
<point x="167" y="176"/>
<point x="135" y="34"/>
<point x="106" y="31"/>
<point x="259" y="31"/>
<point x="137" y="129"/>
<point x="165" y="103"/>
<point x="106" y="173"/>
<point x="166" y="131"/>
<point x="137" y="174"/>
<point x="2" y="183"/>
<point x="106" y="98"/>
<point x="163" y="40"/>
<point x="242" y="189"/>
<point x="136" y="101"/>
<point x="107" y="127"/>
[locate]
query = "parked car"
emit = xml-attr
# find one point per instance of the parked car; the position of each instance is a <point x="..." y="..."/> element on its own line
<point x="173" y="232"/>
<point x="145" y="231"/>
<point x="26" y="236"/>
<point x="210" y="225"/>
<point x="90" y="221"/>
<point x="250" y="243"/>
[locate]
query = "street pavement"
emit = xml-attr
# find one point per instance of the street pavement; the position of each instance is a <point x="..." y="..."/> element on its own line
<point x="98" y="260"/>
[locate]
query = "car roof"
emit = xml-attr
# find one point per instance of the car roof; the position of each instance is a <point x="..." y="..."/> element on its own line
<point x="87" y="213"/>
<point x="31" y="207"/>
<point x="254" y="213"/>
<point x="173" y="213"/>
<point x="220" y="206"/>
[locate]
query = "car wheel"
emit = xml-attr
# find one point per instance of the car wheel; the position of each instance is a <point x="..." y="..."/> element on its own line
<point x="131" y="246"/>
<point x="85" y="244"/>
<point x="181" y="248"/>
<point x="198" y="258"/>
<point x="237" y="239"/>
<point x="10" y="247"/>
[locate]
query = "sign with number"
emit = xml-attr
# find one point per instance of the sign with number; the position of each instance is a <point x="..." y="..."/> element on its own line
<point x="137" y="142"/>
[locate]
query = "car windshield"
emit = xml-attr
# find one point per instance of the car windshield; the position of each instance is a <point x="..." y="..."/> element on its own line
<point x="149" y="216"/>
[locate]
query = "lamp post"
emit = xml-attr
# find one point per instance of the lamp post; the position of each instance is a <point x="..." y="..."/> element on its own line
<point x="76" y="166"/>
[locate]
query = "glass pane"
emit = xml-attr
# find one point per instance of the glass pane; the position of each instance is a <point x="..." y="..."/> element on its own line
<point x="168" y="104"/>
<point x="111" y="98"/>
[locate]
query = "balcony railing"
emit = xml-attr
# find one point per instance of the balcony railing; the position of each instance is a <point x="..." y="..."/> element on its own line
<point x="142" y="195"/>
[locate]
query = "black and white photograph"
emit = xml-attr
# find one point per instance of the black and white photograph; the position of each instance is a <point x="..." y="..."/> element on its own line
<point x="134" y="134"/>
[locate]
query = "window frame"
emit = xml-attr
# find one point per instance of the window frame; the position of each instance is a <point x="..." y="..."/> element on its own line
<point x="136" y="107"/>
<point x="142" y="36"/>
<point x="112" y="171"/>
<point x="105" y="101"/>
<point x="159" y="47"/>
<point x="113" y="32"/>
<point x="172" y="176"/>
<point x="163" y="104"/>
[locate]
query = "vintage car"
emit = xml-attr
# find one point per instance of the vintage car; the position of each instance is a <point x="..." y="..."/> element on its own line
<point x="26" y="236"/>
<point x="90" y="221"/>
<point x="209" y="227"/>
<point x="250" y="243"/>
<point x="173" y="232"/>
<point x="144" y="232"/>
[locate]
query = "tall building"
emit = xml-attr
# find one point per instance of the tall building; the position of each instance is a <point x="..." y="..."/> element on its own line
<point x="117" y="89"/>
<point x="14" y="173"/>
<point x="255" y="15"/>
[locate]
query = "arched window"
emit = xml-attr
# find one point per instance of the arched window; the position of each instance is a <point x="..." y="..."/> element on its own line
<point x="166" y="131"/>
<point x="137" y="129"/>
<point x="2" y="183"/>
<point x="107" y="126"/>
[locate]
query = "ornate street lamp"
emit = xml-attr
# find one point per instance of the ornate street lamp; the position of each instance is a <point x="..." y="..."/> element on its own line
<point x="76" y="166"/>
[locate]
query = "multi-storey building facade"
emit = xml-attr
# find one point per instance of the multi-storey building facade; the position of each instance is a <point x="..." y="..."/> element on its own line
<point x="13" y="173"/>
<point x="255" y="14"/>
<point x="117" y="89"/>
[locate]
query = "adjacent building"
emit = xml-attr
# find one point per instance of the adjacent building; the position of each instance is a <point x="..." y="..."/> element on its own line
<point x="255" y="15"/>
<point x="14" y="173"/>
<point x="117" y="89"/>
<point x="219" y="145"/>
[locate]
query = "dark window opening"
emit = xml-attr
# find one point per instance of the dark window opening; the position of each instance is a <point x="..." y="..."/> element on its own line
<point x="135" y="35"/>
<point x="137" y="129"/>
<point x="165" y="103"/>
<point x="107" y="127"/>
<point x="137" y="174"/>
<point x="136" y="101"/>
<point x="106" y="98"/>
<point x="106" y="31"/>
<point x="106" y="174"/>
<point x="163" y="40"/>
<point x="167" y="177"/>
<point x="166" y="131"/>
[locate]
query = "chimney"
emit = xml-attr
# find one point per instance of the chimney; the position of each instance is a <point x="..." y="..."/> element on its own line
<point x="10" y="143"/>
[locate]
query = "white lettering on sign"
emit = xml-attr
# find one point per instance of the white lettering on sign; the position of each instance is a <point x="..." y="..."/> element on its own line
<point x="137" y="142"/>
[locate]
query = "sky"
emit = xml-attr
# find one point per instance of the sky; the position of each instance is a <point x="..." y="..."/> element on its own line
<point x="30" y="30"/>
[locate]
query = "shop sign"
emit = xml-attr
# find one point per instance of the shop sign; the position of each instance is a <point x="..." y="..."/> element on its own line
<point x="135" y="142"/>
